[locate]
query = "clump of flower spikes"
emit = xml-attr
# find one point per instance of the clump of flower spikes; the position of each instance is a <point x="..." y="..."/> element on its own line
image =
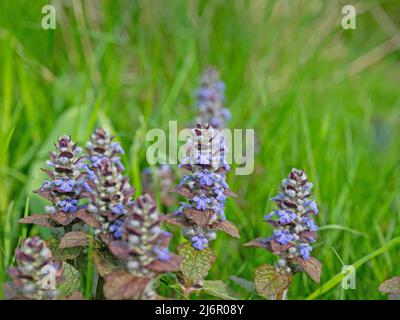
<point x="111" y="194"/>
<point x="66" y="185"/>
<point x="211" y="100"/>
<point x="293" y="221"/>
<point x="205" y="187"/>
<point x="33" y="260"/>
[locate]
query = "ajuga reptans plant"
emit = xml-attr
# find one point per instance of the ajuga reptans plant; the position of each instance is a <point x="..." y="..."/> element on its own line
<point x="64" y="188"/>
<point x="111" y="196"/>
<point x="294" y="231"/>
<point x="206" y="190"/>
<point x="211" y="100"/>
<point x="144" y="250"/>
<point x="33" y="263"/>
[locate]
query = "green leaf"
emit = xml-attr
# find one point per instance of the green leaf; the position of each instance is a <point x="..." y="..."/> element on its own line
<point x="219" y="289"/>
<point x="269" y="283"/>
<point x="62" y="254"/>
<point x="71" y="280"/>
<point x="196" y="263"/>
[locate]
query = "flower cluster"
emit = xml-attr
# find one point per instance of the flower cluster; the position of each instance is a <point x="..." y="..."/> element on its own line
<point x="146" y="240"/>
<point x="205" y="187"/>
<point x="111" y="196"/>
<point x="34" y="262"/>
<point x="211" y="99"/>
<point x="66" y="185"/>
<point x="293" y="221"/>
<point x="144" y="247"/>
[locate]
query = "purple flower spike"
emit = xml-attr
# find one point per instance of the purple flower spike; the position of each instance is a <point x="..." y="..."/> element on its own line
<point x="211" y="100"/>
<point x="294" y="227"/>
<point x="111" y="191"/>
<point x="205" y="187"/>
<point x="146" y="242"/>
<point x="65" y="185"/>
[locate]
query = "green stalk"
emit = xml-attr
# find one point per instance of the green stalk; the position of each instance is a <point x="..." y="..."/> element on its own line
<point x="89" y="270"/>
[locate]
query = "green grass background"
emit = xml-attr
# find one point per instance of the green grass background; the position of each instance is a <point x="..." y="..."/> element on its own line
<point x="319" y="98"/>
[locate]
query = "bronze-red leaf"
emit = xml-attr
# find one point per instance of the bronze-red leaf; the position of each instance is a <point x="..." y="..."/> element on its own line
<point x="63" y="218"/>
<point x="121" y="285"/>
<point x="259" y="243"/>
<point x="171" y="265"/>
<point x="39" y="219"/>
<point x="74" y="239"/>
<point x="163" y="239"/>
<point x="176" y="220"/>
<point x="45" y="194"/>
<point x="185" y="191"/>
<point x="230" y="193"/>
<point x="307" y="236"/>
<point x="312" y="266"/>
<point x="228" y="227"/>
<point x="120" y="249"/>
<point x="88" y="218"/>
<point x="200" y="217"/>
<point x="276" y="247"/>
<point x="391" y="286"/>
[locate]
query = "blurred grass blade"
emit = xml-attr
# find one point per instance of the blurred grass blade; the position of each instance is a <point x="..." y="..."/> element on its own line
<point x="339" y="227"/>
